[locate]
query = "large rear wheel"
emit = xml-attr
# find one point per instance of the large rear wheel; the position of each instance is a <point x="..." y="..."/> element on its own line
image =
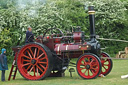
<point x="88" y="66"/>
<point x="34" y="61"/>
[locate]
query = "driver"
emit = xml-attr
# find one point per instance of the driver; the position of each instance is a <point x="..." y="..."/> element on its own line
<point x="29" y="35"/>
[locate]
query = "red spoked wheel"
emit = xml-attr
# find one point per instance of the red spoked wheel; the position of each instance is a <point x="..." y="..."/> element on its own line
<point x="88" y="66"/>
<point x="34" y="61"/>
<point x="106" y="64"/>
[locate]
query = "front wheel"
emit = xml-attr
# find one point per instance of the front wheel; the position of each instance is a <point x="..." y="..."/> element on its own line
<point x="88" y="66"/>
<point x="106" y="64"/>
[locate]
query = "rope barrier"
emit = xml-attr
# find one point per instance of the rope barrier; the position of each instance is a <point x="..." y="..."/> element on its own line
<point x="112" y="40"/>
<point x="114" y="58"/>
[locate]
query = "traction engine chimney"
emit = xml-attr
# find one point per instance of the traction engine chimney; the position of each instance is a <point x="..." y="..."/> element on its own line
<point x="91" y="12"/>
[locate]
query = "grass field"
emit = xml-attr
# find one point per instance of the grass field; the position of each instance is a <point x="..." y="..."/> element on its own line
<point x="120" y="67"/>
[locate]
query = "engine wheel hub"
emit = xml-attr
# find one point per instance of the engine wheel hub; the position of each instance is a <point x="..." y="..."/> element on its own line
<point x="33" y="61"/>
<point x="87" y="66"/>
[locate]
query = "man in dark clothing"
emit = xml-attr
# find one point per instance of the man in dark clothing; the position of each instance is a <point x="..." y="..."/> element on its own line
<point x="29" y="35"/>
<point x="3" y="64"/>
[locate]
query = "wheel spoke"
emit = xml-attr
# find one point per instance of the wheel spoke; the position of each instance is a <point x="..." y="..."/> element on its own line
<point x="88" y="73"/>
<point x="28" y="67"/>
<point x="82" y="68"/>
<point x="94" y="68"/>
<point x="88" y="59"/>
<point x="26" y="57"/>
<point x="29" y="55"/>
<point x="31" y="51"/>
<point x="25" y="64"/>
<point x="94" y="65"/>
<point x="85" y="63"/>
<point x="92" y="71"/>
<point x="40" y="55"/>
<point x="42" y="62"/>
<point x="34" y="71"/>
<point x="104" y="67"/>
<point x="37" y="71"/>
<point x="30" y="70"/>
<point x="39" y="68"/>
<point x="38" y="52"/>
<point x="43" y="67"/>
<point x="35" y="52"/>
<point x="91" y="62"/>
<point x="27" y="60"/>
<point x="43" y="58"/>
<point x="85" y="71"/>
<point x="106" y="60"/>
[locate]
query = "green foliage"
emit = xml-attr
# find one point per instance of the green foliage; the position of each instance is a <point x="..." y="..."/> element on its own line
<point x="74" y="11"/>
<point x="6" y="41"/>
<point x="16" y="20"/>
<point x="4" y="38"/>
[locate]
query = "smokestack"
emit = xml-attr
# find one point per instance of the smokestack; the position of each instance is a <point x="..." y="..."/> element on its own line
<point x="91" y="12"/>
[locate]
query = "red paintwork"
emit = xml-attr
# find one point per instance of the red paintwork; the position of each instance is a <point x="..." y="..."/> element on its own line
<point x="92" y="71"/>
<point x="26" y="68"/>
<point x="83" y="47"/>
<point x="16" y="49"/>
<point x="106" y="64"/>
<point x="77" y="37"/>
<point x="57" y="40"/>
<point x="49" y="43"/>
<point x="55" y="44"/>
<point x="48" y="37"/>
<point x="59" y="48"/>
<point x="72" y="47"/>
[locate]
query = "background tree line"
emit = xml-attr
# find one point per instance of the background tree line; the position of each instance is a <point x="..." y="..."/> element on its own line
<point x="17" y="15"/>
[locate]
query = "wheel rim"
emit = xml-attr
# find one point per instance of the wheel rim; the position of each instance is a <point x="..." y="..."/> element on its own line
<point x="88" y="67"/>
<point x="106" y="64"/>
<point x="32" y="62"/>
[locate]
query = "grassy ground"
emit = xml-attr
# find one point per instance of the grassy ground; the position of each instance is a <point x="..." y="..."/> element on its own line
<point x="120" y="67"/>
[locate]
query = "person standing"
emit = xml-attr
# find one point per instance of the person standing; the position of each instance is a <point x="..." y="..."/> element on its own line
<point x="3" y="64"/>
<point x="29" y="35"/>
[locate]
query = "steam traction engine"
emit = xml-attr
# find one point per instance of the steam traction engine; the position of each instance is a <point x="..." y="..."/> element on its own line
<point x="53" y="53"/>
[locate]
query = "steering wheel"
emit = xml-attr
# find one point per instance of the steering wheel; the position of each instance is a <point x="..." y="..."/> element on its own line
<point x="52" y="29"/>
